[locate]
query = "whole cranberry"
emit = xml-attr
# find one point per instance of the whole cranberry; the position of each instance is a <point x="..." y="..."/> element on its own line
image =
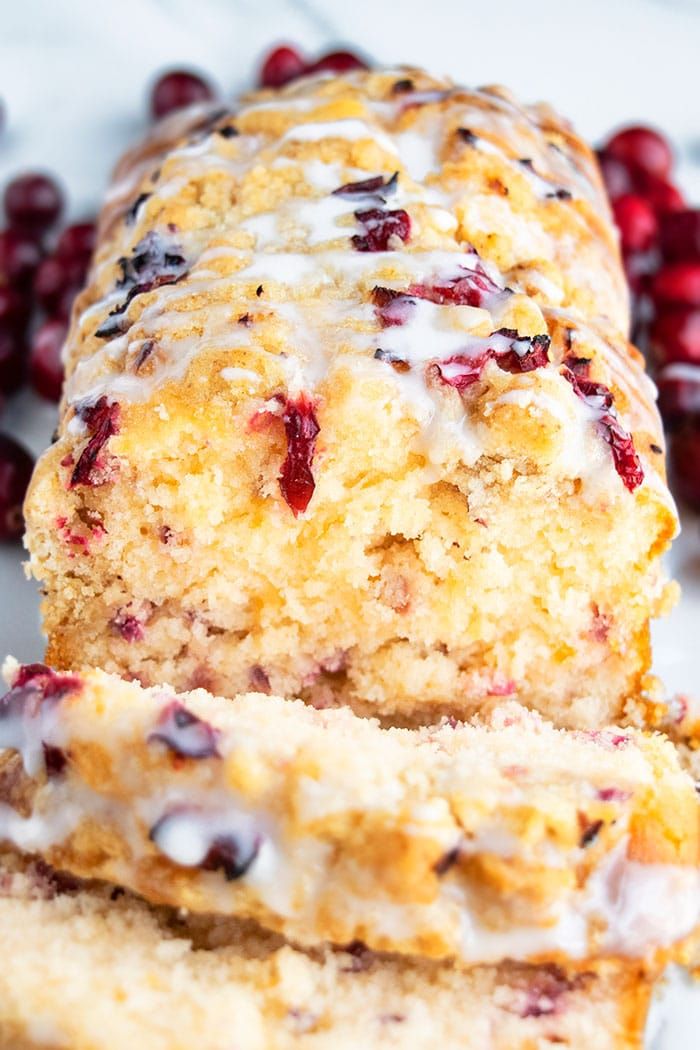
<point x="33" y="202"/>
<point x="281" y="66"/>
<point x="77" y="240"/>
<point x="45" y="365"/>
<point x="678" y="284"/>
<point x="680" y="234"/>
<point x="679" y="393"/>
<point x="12" y="362"/>
<point x="675" y="336"/>
<point x="616" y="175"/>
<point x="641" y="147"/>
<point x="636" y="222"/>
<point x="337" y="62"/>
<point x="176" y="89"/>
<point x="685" y="461"/>
<point x="15" y="471"/>
<point x="663" y="196"/>
<point x="14" y="309"/>
<point x="57" y="276"/>
<point x="19" y="257"/>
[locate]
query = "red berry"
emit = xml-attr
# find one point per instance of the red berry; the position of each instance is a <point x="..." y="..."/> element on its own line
<point x="19" y="257"/>
<point x="685" y="460"/>
<point x="12" y="362"/>
<point x="15" y="471"/>
<point x="675" y="336"/>
<point x="177" y="89"/>
<point x="663" y="196"/>
<point x="643" y="148"/>
<point x="680" y="234"/>
<point x="45" y="365"/>
<point x="679" y="393"/>
<point x="57" y="280"/>
<point x="33" y="202"/>
<point x="337" y="62"/>
<point x="77" y="240"/>
<point x="636" y="221"/>
<point x="14" y="309"/>
<point x="616" y="175"/>
<point x="678" y="284"/>
<point x="282" y="65"/>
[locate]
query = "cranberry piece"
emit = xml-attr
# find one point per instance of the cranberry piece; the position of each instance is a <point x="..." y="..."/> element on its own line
<point x="15" y="471"/>
<point x="14" y="309"/>
<point x="675" y="336"/>
<point x="19" y="257"/>
<point x="616" y="175"/>
<point x="33" y="202"/>
<point x="679" y="394"/>
<point x="184" y="733"/>
<point x="685" y="459"/>
<point x="337" y="62"/>
<point x="301" y="427"/>
<point x="281" y="66"/>
<point x="678" y="284"/>
<point x="663" y="196"/>
<point x="377" y="185"/>
<point x="467" y="288"/>
<point x="680" y="234"/>
<point x="641" y="147"/>
<point x="228" y="855"/>
<point x="102" y="421"/>
<point x="382" y="229"/>
<point x="77" y="241"/>
<point x="57" y="281"/>
<point x="176" y="89"/>
<point x="636" y="222"/>
<point x="45" y="365"/>
<point x="12" y="362"/>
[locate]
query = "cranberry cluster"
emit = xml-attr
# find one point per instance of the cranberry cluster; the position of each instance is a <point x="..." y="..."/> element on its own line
<point x="660" y="238"/>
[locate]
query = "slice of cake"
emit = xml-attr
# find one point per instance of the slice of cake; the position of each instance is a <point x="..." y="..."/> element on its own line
<point x="95" y="969"/>
<point x="505" y="840"/>
<point x="351" y="414"/>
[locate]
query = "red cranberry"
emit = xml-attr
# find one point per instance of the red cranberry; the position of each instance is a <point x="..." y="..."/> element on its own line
<point x="33" y="202"/>
<point x="45" y="365"/>
<point x="679" y="393"/>
<point x="663" y="196"/>
<point x="337" y="62"/>
<point x="282" y="65"/>
<point x="14" y="309"/>
<point x="177" y="89"/>
<point x="675" y="336"/>
<point x="680" y="234"/>
<point x="643" y="148"/>
<point x="12" y="362"/>
<point x="19" y="257"/>
<point x="76" y="241"/>
<point x="15" y="471"/>
<point x="636" y="221"/>
<point x="678" y="284"/>
<point x="615" y="174"/>
<point x="685" y="459"/>
<point x="55" y="277"/>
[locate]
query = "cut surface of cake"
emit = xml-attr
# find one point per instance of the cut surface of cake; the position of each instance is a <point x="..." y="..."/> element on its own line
<point x="509" y="839"/>
<point x="93" y="968"/>
<point x="351" y="414"/>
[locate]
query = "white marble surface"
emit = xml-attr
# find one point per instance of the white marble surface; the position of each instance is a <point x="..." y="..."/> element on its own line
<point x="74" y="76"/>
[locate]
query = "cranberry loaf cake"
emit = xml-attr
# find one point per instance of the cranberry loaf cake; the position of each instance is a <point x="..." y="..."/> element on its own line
<point x="351" y="414"/>
<point x="483" y="842"/>
<point x="96" y="969"/>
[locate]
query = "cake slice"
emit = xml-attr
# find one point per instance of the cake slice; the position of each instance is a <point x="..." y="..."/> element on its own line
<point x="351" y="414"/>
<point x="92" y="968"/>
<point x="504" y="839"/>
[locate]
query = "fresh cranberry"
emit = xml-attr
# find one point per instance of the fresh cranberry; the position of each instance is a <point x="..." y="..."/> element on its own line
<point x="76" y="241"/>
<point x="678" y="284"/>
<point x="301" y="428"/>
<point x="616" y="175"/>
<point x="663" y="196"/>
<point x="12" y="362"/>
<point x="282" y="65"/>
<point x="680" y="234"/>
<point x="641" y="147"/>
<point x="45" y="365"/>
<point x="15" y="471"/>
<point x="14" y="309"/>
<point x="679" y="394"/>
<point x="685" y="459"/>
<point x="675" y="336"/>
<point x="19" y="257"/>
<point x="175" y="90"/>
<point x="33" y="202"/>
<point x="57" y="281"/>
<point x="337" y="62"/>
<point x="636" y="222"/>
